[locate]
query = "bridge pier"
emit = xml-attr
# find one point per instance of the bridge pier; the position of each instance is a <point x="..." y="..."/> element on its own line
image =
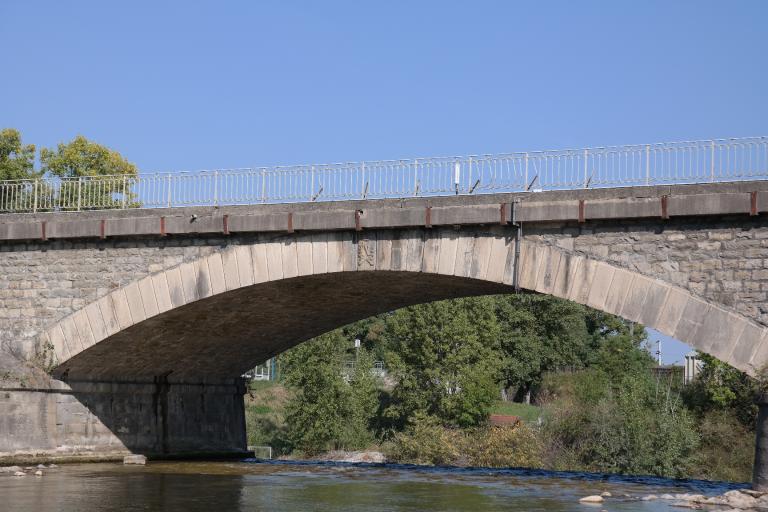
<point x="760" y="469"/>
<point x="106" y="420"/>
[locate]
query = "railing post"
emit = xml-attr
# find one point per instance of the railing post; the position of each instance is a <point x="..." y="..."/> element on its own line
<point x="169" y="190"/>
<point x="263" y="186"/>
<point x="415" y="178"/>
<point x="216" y="188"/>
<point x="125" y="190"/>
<point x="362" y="180"/>
<point x="456" y="175"/>
<point x="469" y="173"/>
<point x="34" y="201"/>
<point x="647" y="164"/>
<point x="312" y="183"/>
<point x="586" y="170"/>
<point x="79" y="193"/>
<point x="712" y="163"/>
<point x="525" y="181"/>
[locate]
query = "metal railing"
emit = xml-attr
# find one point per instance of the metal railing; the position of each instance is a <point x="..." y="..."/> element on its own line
<point x="619" y="166"/>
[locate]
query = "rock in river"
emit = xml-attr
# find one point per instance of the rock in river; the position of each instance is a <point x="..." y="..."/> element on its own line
<point x="135" y="459"/>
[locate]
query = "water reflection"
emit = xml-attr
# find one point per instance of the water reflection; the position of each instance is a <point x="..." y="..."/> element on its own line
<point x="252" y="486"/>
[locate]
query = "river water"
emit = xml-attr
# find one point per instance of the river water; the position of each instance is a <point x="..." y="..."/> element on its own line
<point x="278" y="486"/>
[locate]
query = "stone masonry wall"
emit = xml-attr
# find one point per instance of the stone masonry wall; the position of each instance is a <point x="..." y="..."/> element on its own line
<point x="43" y="282"/>
<point x="724" y="260"/>
<point x="721" y="259"/>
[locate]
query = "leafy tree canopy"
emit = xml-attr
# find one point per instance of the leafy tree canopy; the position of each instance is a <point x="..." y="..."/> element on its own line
<point x="539" y="333"/>
<point x="328" y="411"/>
<point x="81" y="157"/>
<point x="444" y="355"/>
<point x="17" y="160"/>
<point x="721" y="387"/>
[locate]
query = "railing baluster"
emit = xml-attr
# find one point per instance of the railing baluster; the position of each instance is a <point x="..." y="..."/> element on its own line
<point x="687" y="162"/>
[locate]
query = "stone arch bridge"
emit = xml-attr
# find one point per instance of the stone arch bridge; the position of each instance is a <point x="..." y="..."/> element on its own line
<point x="127" y="330"/>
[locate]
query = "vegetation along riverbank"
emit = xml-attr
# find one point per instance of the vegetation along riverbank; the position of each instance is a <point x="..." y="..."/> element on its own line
<point x="579" y="381"/>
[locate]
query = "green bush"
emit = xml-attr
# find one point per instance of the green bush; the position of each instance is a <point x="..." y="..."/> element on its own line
<point x="727" y="448"/>
<point x="629" y="427"/>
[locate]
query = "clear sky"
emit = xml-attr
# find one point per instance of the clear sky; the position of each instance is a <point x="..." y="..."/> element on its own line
<point x="187" y="85"/>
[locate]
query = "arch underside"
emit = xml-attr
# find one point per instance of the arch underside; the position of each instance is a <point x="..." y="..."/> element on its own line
<point x="218" y="316"/>
<point x="227" y="334"/>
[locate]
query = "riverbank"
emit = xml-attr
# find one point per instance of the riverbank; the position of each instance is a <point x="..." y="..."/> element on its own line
<point x="582" y="424"/>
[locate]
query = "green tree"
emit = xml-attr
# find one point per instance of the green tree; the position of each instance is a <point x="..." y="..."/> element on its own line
<point x="372" y="334"/>
<point x="539" y="333"/>
<point x="604" y="326"/>
<point x="620" y="354"/>
<point x="328" y="411"/>
<point x="17" y="160"/>
<point x="721" y="387"/>
<point x="445" y="359"/>
<point x="103" y="176"/>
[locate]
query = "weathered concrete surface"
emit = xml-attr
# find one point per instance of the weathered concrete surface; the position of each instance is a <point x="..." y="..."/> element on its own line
<point x="110" y="419"/>
<point x="748" y="197"/>
<point x="200" y="294"/>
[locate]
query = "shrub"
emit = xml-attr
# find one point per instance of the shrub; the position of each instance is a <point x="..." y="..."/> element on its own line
<point x="727" y="448"/>
<point x="632" y="429"/>
<point x="503" y="447"/>
<point x="425" y="441"/>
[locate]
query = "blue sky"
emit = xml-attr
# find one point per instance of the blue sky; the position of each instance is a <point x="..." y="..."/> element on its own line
<point x="188" y="85"/>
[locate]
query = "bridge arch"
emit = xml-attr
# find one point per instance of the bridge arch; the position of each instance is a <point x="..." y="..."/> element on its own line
<point x="219" y="315"/>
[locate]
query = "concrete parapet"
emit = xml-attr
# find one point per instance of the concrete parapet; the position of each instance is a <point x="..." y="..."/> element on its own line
<point x="748" y="198"/>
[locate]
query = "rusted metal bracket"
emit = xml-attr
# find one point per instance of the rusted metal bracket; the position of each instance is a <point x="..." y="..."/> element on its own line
<point x="753" y="204"/>
<point x="162" y="227"/>
<point x="102" y="229"/>
<point x="503" y="214"/>
<point x="428" y="217"/>
<point x="664" y="211"/>
<point x="43" y="237"/>
<point x="225" y="224"/>
<point x="290" y="222"/>
<point x="581" y="211"/>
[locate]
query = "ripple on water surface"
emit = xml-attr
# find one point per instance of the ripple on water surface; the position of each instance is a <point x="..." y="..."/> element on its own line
<point x="278" y="486"/>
